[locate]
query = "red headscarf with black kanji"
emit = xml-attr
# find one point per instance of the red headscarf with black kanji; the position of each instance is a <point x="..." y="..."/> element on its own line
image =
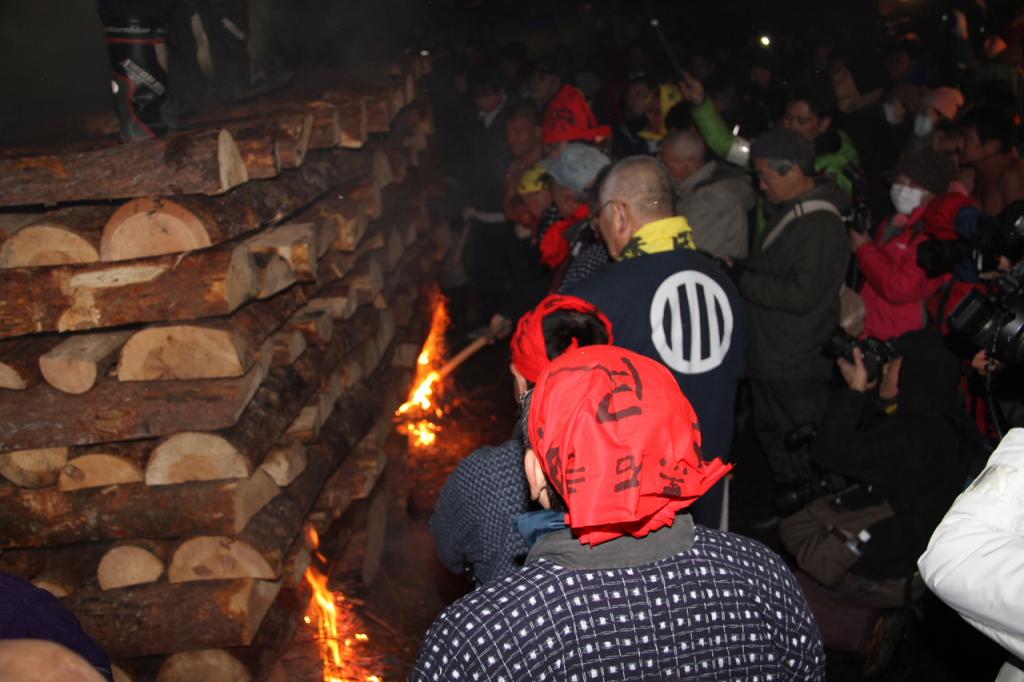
<point x="570" y="119"/>
<point x="619" y="442"/>
<point x="530" y="350"/>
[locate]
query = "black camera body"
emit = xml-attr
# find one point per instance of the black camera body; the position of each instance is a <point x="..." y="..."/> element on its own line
<point x="983" y="239"/>
<point x="995" y="325"/>
<point x="874" y="352"/>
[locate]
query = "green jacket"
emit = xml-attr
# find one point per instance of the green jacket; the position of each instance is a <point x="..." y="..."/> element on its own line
<point x="720" y="141"/>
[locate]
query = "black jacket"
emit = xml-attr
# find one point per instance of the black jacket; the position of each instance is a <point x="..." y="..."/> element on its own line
<point x="913" y="458"/>
<point x="792" y="289"/>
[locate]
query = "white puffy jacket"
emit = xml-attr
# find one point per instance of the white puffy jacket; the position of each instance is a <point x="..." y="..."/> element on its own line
<point x="975" y="558"/>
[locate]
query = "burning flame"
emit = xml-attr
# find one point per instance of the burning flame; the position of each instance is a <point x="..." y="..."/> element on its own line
<point x="325" y="607"/>
<point x="421" y="431"/>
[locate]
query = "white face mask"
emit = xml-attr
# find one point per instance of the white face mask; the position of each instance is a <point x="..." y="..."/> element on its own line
<point x="923" y="125"/>
<point x="890" y="114"/>
<point x="906" y="198"/>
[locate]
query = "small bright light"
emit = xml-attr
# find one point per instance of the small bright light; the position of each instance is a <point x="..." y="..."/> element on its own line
<point x="307" y="619"/>
<point x="736" y="130"/>
<point x="654" y="23"/>
<point x="424" y="53"/>
<point x="114" y="87"/>
<point x="766" y="41"/>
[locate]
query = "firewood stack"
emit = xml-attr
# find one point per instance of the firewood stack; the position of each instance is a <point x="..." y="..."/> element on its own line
<point x="195" y="335"/>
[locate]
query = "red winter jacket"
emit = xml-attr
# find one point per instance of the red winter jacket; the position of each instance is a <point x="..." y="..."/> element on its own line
<point x="895" y="288"/>
<point x="939" y="216"/>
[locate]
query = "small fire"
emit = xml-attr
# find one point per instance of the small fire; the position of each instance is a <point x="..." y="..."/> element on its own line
<point x="423" y="432"/>
<point x="325" y="607"/>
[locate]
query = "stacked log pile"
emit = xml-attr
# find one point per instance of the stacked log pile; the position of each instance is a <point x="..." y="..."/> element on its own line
<point x="196" y="334"/>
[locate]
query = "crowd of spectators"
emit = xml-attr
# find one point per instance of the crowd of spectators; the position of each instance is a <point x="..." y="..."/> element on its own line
<point x="788" y="239"/>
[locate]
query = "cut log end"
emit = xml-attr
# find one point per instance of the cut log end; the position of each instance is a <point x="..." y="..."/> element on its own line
<point x="75" y="365"/>
<point x="128" y="565"/>
<point x="191" y="456"/>
<point x="216" y="558"/>
<point x="232" y="166"/>
<point x="13" y="379"/>
<point x="97" y="470"/>
<point x="36" y="468"/>
<point x="207" y="664"/>
<point x="182" y="352"/>
<point x="243" y="280"/>
<point x="152" y="227"/>
<point x="37" y="245"/>
<point x="284" y="463"/>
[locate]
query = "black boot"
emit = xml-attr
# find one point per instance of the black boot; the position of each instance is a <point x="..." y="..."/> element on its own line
<point x="138" y="53"/>
<point x="226" y="23"/>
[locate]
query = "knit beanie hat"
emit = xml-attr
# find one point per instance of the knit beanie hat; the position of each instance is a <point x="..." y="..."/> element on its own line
<point x="928" y="168"/>
<point x="782" y="144"/>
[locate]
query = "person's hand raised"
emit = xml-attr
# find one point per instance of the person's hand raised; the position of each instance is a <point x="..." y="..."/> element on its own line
<point x="855" y="374"/>
<point x="857" y="240"/>
<point x="692" y="89"/>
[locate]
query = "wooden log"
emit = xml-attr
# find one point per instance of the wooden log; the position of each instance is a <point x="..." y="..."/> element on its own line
<point x="61" y="570"/>
<point x="262" y="549"/>
<point x="204" y="162"/>
<point x="296" y="243"/>
<point x="326" y="128"/>
<point x="226" y="348"/>
<point x="367" y="279"/>
<point x="155" y="225"/>
<point x="287" y="346"/>
<point x="45" y="417"/>
<point x="338" y="300"/>
<point x="78" y="362"/>
<point x="33" y="468"/>
<point x="170" y="288"/>
<point x="161" y="618"/>
<point x="97" y="469"/>
<point x="19" y="360"/>
<point x="286" y="390"/>
<point x="293" y="138"/>
<point x="316" y="326"/>
<point x="353" y="124"/>
<point x="37" y="518"/>
<point x="205" y="665"/>
<point x="130" y="564"/>
<point x="275" y="275"/>
<point x="342" y="218"/>
<point x="216" y="557"/>
<point x="305" y="428"/>
<point x="377" y="102"/>
<point x="284" y="463"/>
<point x="64" y="236"/>
<point x="257" y="146"/>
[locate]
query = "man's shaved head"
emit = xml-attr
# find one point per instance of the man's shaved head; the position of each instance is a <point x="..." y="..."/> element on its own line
<point x="36" y="660"/>
<point x="643" y="184"/>
<point x="684" y="144"/>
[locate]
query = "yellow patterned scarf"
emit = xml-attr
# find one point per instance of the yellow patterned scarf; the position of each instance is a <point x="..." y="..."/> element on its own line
<point x="667" y="234"/>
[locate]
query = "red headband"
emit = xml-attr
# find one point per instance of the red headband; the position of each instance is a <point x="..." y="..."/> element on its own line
<point x="619" y="441"/>
<point x="569" y="118"/>
<point x="529" y="351"/>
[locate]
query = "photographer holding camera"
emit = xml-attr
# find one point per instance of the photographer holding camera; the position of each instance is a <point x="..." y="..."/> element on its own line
<point x="897" y="438"/>
<point x="895" y="286"/>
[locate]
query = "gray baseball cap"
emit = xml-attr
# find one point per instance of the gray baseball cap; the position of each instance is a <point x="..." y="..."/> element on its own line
<point x="577" y="166"/>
